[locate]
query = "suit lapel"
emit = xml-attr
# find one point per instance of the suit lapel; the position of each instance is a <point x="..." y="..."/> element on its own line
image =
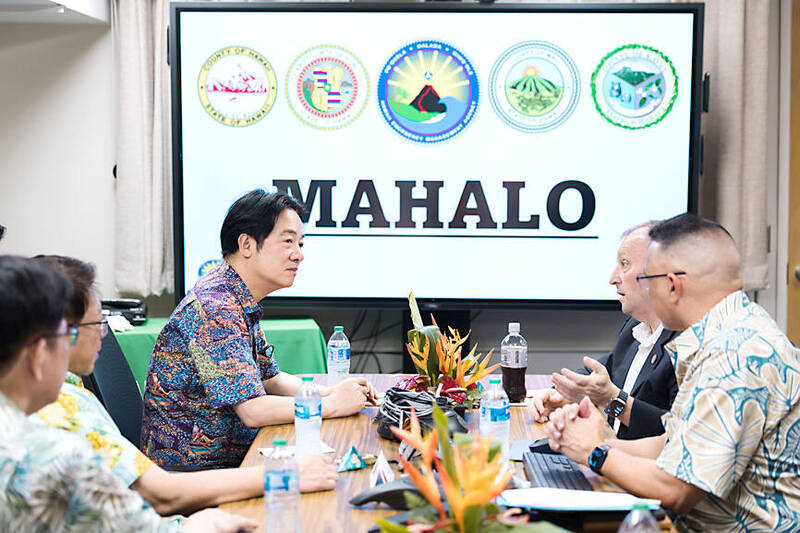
<point x="653" y="359"/>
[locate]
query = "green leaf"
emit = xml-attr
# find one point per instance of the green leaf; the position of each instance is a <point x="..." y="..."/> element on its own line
<point x="462" y="440"/>
<point x="389" y="527"/>
<point x="431" y="333"/>
<point x="472" y="518"/>
<point x="440" y="422"/>
<point x="642" y="101"/>
<point x="494" y="449"/>
<point x="492" y="508"/>
<point x="414" y="500"/>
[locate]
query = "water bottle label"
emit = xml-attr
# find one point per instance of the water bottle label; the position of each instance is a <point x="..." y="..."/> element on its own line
<point x="338" y="355"/>
<point x="279" y="480"/>
<point x="498" y="414"/>
<point x="305" y="412"/>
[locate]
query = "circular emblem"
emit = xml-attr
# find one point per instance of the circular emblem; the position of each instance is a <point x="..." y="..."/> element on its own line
<point x="428" y="91"/>
<point x="237" y="86"/>
<point x="634" y="86"/>
<point x="327" y="87"/>
<point x="206" y="267"/>
<point x="534" y="86"/>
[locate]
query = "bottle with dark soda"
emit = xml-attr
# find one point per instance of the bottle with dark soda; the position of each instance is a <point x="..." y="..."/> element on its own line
<point x="514" y="363"/>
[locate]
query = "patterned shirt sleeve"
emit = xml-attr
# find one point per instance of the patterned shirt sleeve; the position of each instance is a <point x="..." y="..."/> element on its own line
<point x="222" y="351"/>
<point x="267" y="365"/>
<point x="710" y="444"/>
<point x="58" y="484"/>
<point x="78" y="411"/>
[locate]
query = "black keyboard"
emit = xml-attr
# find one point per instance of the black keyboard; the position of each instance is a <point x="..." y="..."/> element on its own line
<point x="554" y="471"/>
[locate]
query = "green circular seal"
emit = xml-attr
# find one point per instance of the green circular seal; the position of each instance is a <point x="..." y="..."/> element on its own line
<point x="634" y="86"/>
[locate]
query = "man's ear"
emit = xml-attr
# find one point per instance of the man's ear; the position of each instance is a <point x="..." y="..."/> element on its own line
<point x="676" y="288"/>
<point x="247" y="245"/>
<point x="36" y="357"/>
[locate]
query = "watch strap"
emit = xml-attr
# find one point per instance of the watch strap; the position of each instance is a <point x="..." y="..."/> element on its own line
<point x="598" y="457"/>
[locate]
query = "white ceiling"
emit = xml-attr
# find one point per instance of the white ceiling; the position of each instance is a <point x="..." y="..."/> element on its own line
<point x="41" y="12"/>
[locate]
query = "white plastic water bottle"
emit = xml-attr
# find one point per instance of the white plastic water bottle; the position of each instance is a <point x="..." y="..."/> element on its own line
<point x="514" y="363"/>
<point x="338" y="356"/>
<point x="496" y="415"/>
<point x="307" y="419"/>
<point x="639" y="520"/>
<point x="282" y="490"/>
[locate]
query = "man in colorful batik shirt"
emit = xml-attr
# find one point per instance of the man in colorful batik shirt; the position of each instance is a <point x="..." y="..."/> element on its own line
<point x="78" y="411"/>
<point x="49" y="480"/>
<point x="212" y="380"/>
<point x="728" y="460"/>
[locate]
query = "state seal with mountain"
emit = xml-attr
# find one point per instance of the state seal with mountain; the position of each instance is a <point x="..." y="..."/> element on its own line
<point x="428" y="91"/>
<point x="534" y="86"/>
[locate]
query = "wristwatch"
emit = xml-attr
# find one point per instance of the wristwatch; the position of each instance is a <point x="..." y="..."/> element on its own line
<point x="598" y="457"/>
<point x="617" y="405"/>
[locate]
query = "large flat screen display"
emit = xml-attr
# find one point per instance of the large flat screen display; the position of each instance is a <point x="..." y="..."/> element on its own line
<point x="474" y="153"/>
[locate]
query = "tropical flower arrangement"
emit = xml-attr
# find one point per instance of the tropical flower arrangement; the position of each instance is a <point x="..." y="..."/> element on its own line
<point x="472" y="474"/>
<point x="439" y="363"/>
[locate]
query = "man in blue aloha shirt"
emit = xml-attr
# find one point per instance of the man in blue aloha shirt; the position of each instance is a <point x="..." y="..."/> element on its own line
<point x="212" y="380"/>
<point x="728" y="460"/>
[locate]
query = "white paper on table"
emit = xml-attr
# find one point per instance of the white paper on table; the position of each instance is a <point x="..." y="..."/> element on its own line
<point x="549" y="499"/>
<point x="268" y="451"/>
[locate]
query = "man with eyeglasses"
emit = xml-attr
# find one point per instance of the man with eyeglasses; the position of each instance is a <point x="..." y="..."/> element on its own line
<point x="634" y="383"/>
<point x="49" y="480"/>
<point x="728" y="460"/>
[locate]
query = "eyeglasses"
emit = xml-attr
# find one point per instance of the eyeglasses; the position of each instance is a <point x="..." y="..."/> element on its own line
<point x="102" y="323"/>
<point x="644" y="279"/>
<point x="71" y="334"/>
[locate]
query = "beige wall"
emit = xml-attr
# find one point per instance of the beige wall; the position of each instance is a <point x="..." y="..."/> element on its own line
<point x="56" y="143"/>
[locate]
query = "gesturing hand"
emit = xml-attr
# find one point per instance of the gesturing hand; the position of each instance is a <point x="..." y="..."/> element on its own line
<point x="597" y="385"/>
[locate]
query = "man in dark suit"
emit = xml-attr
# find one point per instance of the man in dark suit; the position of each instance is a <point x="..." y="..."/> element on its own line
<point x="635" y="382"/>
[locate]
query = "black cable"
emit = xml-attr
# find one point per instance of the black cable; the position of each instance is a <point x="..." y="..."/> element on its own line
<point x="383" y="330"/>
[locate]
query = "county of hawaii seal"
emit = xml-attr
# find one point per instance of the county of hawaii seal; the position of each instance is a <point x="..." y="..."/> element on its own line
<point x="534" y="86"/>
<point x="327" y="87"/>
<point x="634" y="86"/>
<point x="237" y="86"/>
<point x="428" y="91"/>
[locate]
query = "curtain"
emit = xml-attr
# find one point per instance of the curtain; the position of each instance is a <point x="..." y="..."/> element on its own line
<point x="143" y="225"/>
<point x="733" y="188"/>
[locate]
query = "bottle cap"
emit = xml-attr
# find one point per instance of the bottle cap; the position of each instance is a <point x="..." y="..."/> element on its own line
<point x="513" y="327"/>
<point x="492" y="381"/>
<point x="306" y="379"/>
<point x="338" y="328"/>
<point x="278" y="442"/>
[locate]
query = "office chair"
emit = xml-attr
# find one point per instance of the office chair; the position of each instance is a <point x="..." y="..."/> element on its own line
<point x="114" y="385"/>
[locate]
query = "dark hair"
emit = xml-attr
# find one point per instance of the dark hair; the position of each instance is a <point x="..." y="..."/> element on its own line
<point x="33" y="298"/>
<point x="671" y="230"/>
<point x="254" y="214"/>
<point x="2" y="231"/>
<point x="81" y="275"/>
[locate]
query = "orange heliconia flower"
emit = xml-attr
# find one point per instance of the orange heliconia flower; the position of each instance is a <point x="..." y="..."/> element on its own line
<point x="480" y="480"/>
<point x="427" y="446"/>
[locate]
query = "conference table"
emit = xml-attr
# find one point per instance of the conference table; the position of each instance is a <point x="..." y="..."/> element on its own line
<point x="330" y="511"/>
